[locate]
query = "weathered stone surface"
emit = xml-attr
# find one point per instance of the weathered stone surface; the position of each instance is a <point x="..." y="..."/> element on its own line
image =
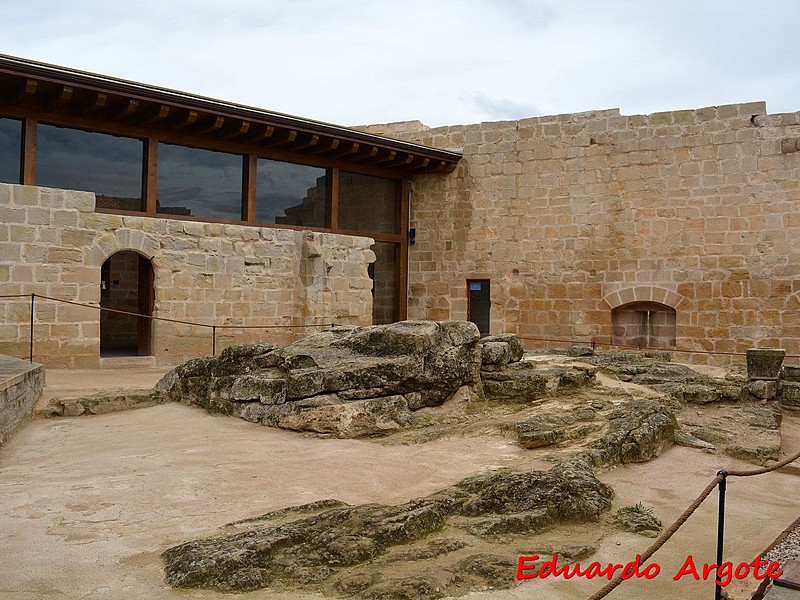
<point x="251" y="388"/>
<point x="322" y="548"/>
<point x="544" y="430"/>
<point x="759" y="455"/>
<point x="352" y="419"/>
<point x="790" y="395"/>
<point x="638" y="519"/>
<point x="550" y="429"/>
<point x="102" y="403"/>
<point x="346" y="381"/>
<point x="495" y="353"/>
<point x="764" y="363"/>
<point x="678" y="382"/>
<point x="638" y="431"/>
<point x="763" y="389"/>
<point x="526" y="382"/>
<point x="515" y="349"/>
<point x="690" y="441"/>
<point x="580" y="350"/>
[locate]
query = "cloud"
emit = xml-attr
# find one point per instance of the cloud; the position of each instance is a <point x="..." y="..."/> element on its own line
<point x="501" y="109"/>
<point x="452" y="61"/>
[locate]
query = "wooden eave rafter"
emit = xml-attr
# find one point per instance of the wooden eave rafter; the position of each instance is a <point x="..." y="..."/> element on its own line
<point x="71" y="95"/>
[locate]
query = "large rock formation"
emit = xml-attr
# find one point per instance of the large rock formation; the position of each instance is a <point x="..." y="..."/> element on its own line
<point x="347" y="381"/>
<point x="345" y="549"/>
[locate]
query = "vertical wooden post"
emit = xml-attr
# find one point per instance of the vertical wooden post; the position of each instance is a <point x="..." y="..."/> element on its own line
<point x="150" y="176"/>
<point x="28" y="158"/>
<point x="402" y="271"/>
<point x="332" y="207"/>
<point x="249" y="175"/>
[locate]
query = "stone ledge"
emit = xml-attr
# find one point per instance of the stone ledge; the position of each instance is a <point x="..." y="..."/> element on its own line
<point x="20" y="387"/>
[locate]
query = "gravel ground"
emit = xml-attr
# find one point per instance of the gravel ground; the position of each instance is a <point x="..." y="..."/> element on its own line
<point x="788" y="548"/>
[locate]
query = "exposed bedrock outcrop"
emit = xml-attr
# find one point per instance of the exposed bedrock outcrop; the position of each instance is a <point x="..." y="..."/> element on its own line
<point x="676" y="381"/>
<point x="341" y="545"/>
<point x="367" y="381"/>
<point x="347" y="381"/>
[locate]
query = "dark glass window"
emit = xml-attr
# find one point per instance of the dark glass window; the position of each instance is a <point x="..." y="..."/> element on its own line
<point x="384" y="274"/>
<point x="368" y="203"/>
<point x="289" y="194"/>
<point x="10" y="150"/>
<point x="199" y="183"/>
<point x="107" y="165"/>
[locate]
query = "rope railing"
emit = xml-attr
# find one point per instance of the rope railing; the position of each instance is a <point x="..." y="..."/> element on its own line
<point x="595" y="342"/>
<point x="719" y="480"/>
<point x="211" y="326"/>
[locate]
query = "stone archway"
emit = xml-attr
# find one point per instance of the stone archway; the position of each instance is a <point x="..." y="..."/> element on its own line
<point x="643" y="325"/>
<point x="127" y="285"/>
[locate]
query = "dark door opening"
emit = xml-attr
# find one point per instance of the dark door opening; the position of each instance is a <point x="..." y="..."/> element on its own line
<point x="126" y="284"/>
<point x="479" y="304"/>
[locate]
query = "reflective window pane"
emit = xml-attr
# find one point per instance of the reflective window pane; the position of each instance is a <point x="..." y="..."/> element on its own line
<point x="384" y="274"/>
<point x="10" y="150"/>
<point x="199" y="183"/>
<point x="289" y="194"/>
<point x="107" y="165"/>
<point x="368" y="203"/>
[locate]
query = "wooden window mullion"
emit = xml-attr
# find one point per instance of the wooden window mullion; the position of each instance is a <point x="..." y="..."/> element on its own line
<point x="28" y="158"/>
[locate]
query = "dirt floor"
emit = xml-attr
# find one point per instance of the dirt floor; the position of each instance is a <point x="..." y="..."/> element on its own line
<point x="87" y="504"/>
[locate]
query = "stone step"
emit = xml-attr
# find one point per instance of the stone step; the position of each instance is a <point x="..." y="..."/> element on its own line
<point x="128" y="362"/>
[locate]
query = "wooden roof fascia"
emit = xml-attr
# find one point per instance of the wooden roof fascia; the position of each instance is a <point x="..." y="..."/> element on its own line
<point x="100" y="93"/>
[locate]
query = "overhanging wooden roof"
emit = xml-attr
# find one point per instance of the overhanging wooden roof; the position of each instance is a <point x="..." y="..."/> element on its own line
<point x="30" y="85"/>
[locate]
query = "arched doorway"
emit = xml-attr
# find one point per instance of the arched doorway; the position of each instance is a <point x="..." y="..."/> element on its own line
<point x="643" y="325"/>
<point x="126" y="284"/>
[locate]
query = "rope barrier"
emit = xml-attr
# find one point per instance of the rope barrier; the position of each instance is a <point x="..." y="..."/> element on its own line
<point x="668" y="533"/>
<point x="594" y="343"/>
<point x="154" y="318"/>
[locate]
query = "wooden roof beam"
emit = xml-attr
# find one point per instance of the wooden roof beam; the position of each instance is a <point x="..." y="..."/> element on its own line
<point x="402" y="161"/>
<point x="234" y="130"/>
<point x="310" y="141"/>
<point x="289" y="136"/>
<point x="258" y="134"/>
<point x="96" y="101"/>
<point x="59" y="98"/>
<point x="210" y="125"/>
<point x="125" y="109"/>
<point x="366" y="154"/>
<point x="156" y="115"/>
<point x="24" y="91"/>
<point x="181" y="120"/>
<point x="346" y="149"/>
<point x="328" y="146"/>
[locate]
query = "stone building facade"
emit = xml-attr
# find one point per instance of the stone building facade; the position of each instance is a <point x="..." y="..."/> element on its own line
<point x="676" y="230"/>
<point x="54" y="244"/>
<point x="688" y="221"/>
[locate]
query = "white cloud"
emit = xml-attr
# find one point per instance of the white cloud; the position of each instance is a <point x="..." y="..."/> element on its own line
<point x="452" y="61"/>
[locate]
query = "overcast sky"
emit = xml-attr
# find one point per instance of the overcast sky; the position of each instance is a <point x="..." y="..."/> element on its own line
<point x="443" y="62"/>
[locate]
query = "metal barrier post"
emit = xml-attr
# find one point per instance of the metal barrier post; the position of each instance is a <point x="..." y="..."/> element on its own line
<point x="720" y="531"/>
<point x="33" y="301"/>
<point x="213" y="340"/>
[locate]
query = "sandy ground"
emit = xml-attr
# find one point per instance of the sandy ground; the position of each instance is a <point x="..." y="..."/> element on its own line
<point x="88" y="503"/>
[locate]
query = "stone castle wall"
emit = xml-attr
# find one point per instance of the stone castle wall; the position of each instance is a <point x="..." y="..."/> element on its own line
<point x="572" y="216"/>
<point x="52" y="243"/>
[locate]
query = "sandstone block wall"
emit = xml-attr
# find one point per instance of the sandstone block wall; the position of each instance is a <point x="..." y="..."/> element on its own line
<point x="571" y="216"/>
<point x="20" y="387"/>
<point x="53" y="243"/>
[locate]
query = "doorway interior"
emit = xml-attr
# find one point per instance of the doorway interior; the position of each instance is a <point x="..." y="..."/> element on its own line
<point x="126" y="284"/>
